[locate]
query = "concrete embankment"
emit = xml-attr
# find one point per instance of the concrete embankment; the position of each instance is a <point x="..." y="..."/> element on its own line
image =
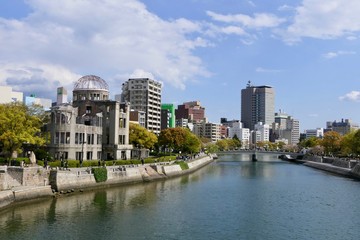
<point x="81" y="179"/>
<point x="18" y="185"/>
<point x="343" y="167"/>
<point x="24" y="193"/>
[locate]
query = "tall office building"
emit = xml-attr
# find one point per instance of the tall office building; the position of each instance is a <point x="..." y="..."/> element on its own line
<point x="144" y="94"/>
<point x="257" y="105"/>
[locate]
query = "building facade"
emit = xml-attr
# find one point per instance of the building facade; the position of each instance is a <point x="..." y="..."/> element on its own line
<point x="318" y="133"/>
<point x="193" y="111"/>
<point x="92" y="127"/>
<point x="343" y="127"/>
<point x="167" y="116"/>
<point x="257" y="105"/>
<point x="243" y="134"/>
<point x="207" y="130"/>
<point x="144" y="94"/>
<point x="8" y="95"/>
<point x="44" y="102"/>
<point x="262" y="132"/>
<point x="286" y="127"/>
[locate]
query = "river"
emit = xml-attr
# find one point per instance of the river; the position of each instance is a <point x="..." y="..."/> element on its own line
<point x="231" y="198"/>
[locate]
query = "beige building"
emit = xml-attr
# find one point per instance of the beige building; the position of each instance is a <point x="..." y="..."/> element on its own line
<point x="144" y="95"/>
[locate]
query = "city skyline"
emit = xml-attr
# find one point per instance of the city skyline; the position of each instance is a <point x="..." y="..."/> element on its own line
<point x="199" y="50"/>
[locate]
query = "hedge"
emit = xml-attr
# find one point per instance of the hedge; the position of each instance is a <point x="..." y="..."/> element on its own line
<point x="100" y="174"/>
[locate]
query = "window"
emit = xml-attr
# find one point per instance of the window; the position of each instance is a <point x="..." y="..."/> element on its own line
<point x="67" y="138"/>
<point x="122" y="139"/>
<point x="88" y="109"/>
<point x="98" y="139"/>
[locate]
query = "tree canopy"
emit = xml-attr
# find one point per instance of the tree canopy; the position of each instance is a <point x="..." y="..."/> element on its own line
<point x="18" y="125"/>
<point x="141" y="137"/>
<point x="180" y="139"/>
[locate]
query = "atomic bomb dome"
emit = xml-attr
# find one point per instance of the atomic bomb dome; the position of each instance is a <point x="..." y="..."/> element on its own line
<point x="91" y="82"/>
<point x="90" y="87"/>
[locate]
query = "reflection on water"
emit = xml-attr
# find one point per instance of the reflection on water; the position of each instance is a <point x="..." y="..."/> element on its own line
<point x="232" y="198"/>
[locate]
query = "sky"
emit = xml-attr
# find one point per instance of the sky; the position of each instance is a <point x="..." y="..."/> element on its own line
<point x="204" y="50"/>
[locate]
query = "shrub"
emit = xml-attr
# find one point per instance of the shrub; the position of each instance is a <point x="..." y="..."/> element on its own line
<point x="100" y="174"/>
<point x="183" y="165"/>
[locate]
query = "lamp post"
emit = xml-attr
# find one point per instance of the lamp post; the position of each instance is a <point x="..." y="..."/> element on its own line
<point x="82" y="153"/>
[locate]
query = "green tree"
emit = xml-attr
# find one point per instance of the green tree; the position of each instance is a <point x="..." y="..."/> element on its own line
<point x="355" y="143"/>
<point x="346" y="143"/>
<point x="309" y="142"/>
<point x="141" y="137"/>
<point x="211" y="148"/>
<point x="237" y="141"/>
<point x="192" y="143"/>
<point x="331" y="142"/>
<point x="223" y="145"/>
<point x="19" y="126"/>
<point x="180" y="139"/>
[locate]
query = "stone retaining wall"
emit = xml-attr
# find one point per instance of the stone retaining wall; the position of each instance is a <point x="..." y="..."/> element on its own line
<point x="71" y="180"/>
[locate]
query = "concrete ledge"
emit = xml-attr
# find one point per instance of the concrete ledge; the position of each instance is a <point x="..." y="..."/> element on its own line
<point x="172" y="169"/>
<point x="6" y="198"/>
<point x="330" y="168"/>
<point x="27" y="193"/>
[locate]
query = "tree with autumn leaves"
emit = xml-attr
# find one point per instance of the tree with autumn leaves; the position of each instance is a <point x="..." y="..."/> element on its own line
<point x="335" y="144"/>
<point x="141" y="137"/>
<point x="180" y="139"/>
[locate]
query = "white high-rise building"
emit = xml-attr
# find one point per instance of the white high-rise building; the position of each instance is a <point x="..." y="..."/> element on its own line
<point x="144" y="94"/>
<point x="243" y="134"/>
<point x="262" y="132"/>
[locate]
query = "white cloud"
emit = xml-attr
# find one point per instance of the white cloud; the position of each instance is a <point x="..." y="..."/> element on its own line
<point x="265" y="70"/>
<point x="140" y="73"/>
<point x="351" y="96"/>
<point x="106" y="38"/>
<point x="286" y="8"/>
<point x="42" y="79"/>
<point x="324" y="20"/>
<point x="331" y="55"/>
<point x="260" y="20"/>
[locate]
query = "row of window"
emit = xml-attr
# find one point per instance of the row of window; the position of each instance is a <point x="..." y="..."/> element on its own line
<point x="64" y="138"/>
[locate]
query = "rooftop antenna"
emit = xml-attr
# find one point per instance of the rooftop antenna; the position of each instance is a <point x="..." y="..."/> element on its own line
<point x="248" y="84"/>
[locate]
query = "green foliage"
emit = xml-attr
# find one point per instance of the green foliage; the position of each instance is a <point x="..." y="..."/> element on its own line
<point x="228" y="144"/>
<point x="211" y="148"/>
<point x="309" y="142"/>
<point x="141" y="137"/>
<point x="42" y="154"/>
<point x="183" y="165"/>
<point x="18" y="126"/>
<point x="100" y="174"/>
<point x="180" y="139"/>
<point x="54" y="164"/>
<point x="331" y="142"/>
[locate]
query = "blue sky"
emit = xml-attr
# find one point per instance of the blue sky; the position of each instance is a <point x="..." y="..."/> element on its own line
<point x="206" y="50"/>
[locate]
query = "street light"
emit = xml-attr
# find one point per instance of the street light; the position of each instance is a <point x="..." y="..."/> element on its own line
<point x="82" y="153"/>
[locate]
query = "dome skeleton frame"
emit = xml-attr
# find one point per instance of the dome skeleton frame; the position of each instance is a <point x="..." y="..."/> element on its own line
<point x="91" y="82"/>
